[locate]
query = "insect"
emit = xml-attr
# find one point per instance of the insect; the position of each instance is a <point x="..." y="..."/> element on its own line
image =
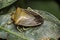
<point x="26" y="18"/>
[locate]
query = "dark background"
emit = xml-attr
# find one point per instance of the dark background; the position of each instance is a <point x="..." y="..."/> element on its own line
<point x="52" y="6"/>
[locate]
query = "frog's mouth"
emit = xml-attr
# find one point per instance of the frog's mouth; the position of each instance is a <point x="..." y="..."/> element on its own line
<point x="27" y="18"/>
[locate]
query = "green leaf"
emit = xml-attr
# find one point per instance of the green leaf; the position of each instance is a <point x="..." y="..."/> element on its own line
<point x="49" y="29"/>
<point x="5" y="3"/>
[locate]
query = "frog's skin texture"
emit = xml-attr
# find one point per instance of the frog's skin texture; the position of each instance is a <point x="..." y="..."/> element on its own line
<point x="49" y="29"/>
<point x="26" y="18"/>
<point x="5" y="3"/>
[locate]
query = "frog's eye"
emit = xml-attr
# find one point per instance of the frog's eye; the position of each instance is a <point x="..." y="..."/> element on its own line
<point x="27" y="18"/>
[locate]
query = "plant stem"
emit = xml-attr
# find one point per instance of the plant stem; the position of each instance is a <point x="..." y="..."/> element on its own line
<point x="19" y="35"/>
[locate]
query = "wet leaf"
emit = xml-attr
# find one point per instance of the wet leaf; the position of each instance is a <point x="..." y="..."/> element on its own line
<point x="49" y="29"/>
<point x="4" y="3"/>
